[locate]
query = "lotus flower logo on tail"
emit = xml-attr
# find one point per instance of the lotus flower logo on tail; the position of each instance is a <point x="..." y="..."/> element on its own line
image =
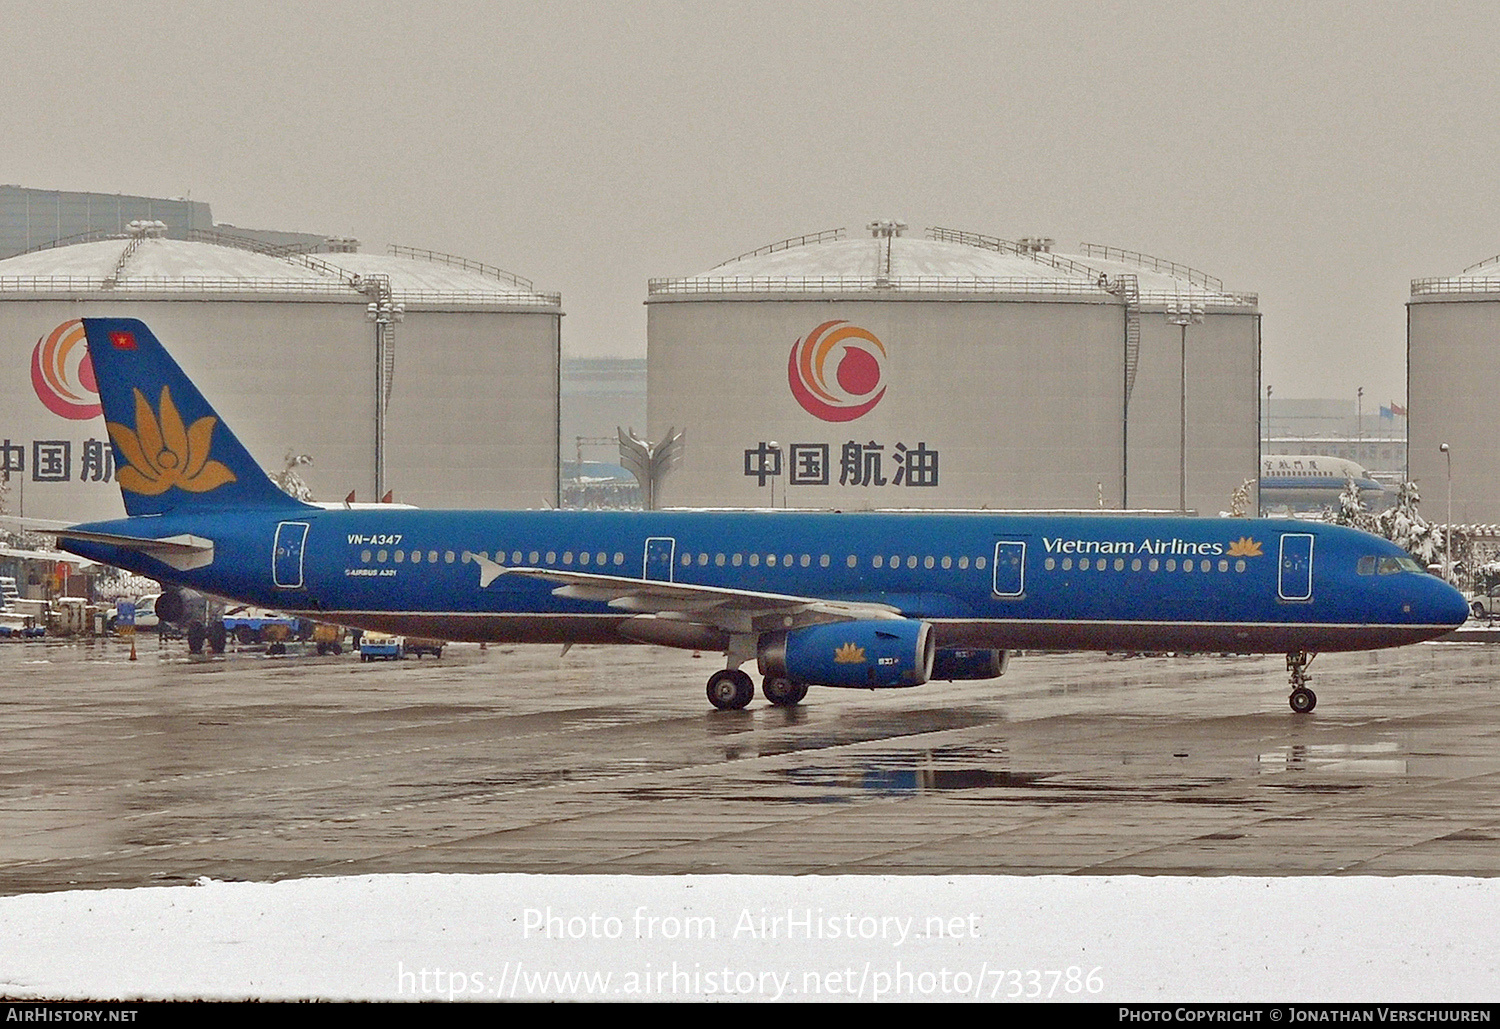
<point x="160" y="452"/>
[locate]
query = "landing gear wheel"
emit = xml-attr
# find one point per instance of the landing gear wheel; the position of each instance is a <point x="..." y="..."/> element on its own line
<point x="196" y="637"/>
<point x="217" y="638"/>
<point x="730" y="689"/>
<point x="783" y="692"/>
<point x="1302" y="699"/>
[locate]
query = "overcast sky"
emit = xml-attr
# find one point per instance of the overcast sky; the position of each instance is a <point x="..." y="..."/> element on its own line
<point x="1319" y="154"/>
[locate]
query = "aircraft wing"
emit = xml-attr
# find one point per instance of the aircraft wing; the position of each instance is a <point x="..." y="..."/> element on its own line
<point x="734" y="611"/>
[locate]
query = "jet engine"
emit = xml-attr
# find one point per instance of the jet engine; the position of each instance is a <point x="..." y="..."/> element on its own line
<point x="954" y="663"/>
<point x="199" y="618"/>
<point x="865" y="655"/>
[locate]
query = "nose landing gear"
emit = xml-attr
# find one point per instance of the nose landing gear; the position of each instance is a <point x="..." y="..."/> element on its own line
<point x="1302" y="699"/>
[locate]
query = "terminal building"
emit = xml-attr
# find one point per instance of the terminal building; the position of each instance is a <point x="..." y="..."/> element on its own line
<point x="420" y="374"/>
<point x="958" y="370"/>
<point x="1452" y="368"/>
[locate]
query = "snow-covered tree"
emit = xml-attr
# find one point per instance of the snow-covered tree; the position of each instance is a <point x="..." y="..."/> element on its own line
<point x="1351" y="510"/>
<point x="1403" y="526"/>
<point x="1239" y="500"/>
<point x="289" y="482"/>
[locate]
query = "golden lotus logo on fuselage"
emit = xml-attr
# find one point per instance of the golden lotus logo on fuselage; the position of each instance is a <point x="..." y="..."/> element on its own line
<point x="1244" y="547"/>
<point x="849" y="654"/>
<point x="160" y="452"/>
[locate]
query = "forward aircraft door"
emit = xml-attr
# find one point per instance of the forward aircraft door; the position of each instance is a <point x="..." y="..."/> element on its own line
<point x="1296" y="566"/>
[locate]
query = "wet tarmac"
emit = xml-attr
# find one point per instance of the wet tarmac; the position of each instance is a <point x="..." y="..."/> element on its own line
<point x="609" y="760"/>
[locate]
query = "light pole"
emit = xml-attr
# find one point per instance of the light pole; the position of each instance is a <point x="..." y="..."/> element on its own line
<point x="776" y="449"/>
<point x="386" y="313"/>
<point x="1448" y="527"/>
<point x="1182" y="313"/>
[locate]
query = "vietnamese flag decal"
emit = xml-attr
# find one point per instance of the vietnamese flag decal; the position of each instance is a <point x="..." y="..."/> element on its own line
<point x="122" y="340"/>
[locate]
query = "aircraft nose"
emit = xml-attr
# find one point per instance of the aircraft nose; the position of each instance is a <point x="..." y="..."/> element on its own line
<point x="1447" y="605"/>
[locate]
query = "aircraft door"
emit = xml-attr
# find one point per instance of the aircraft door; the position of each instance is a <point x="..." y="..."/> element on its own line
<point x="660" y="550"/>
<point x="286" y="555"/>
<point x="1296" y="567"/>
<point x="1010" y="568"/>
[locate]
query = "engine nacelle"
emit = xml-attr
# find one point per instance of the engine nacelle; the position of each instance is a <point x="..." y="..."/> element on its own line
<point x="953" y="663"/>
<point x="176" y="606"/>
<point x="864" y="655"/>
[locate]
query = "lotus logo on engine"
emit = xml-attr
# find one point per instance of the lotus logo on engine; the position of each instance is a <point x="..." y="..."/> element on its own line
<point x="849" y="654"/>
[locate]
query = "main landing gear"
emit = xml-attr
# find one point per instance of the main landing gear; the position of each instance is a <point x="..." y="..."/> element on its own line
<point x="731" y="689"/>
<point x="1302" y="699"/>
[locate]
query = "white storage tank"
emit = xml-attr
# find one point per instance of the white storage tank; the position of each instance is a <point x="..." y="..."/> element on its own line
<point x="286" y="347"/>
<point x="958" y="370"/>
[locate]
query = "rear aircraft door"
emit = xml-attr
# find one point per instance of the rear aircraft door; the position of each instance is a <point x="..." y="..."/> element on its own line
<point x="660" y="551"/>
<point x="1295" y="582"/>
<point x="286" y="555"/>
<point x="1010" y="568"/>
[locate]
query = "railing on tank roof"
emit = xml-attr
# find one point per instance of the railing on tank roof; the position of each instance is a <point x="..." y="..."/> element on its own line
<point x="82" y="283"/>
<point x="1475" y="284"/>
<point x="826" y="236"/>
<point x="1481" y="264"/>
<point x="295" y="253"/>
<point x="938" y="234"/>
<point x="518" y="298"/>
<point x="849" y="283"/>
<point x="1156" y="264"/>
<point x="87" y="236"/>
<point x="1209" y="298"/>
<point x="259" y="246"/>
<point x="926" y="284"/>
<point x="304" y="287"/>
<point x="397" y="250"/>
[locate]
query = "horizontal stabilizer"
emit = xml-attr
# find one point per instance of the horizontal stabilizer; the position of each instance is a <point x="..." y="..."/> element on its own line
<point x="182" y="552"/>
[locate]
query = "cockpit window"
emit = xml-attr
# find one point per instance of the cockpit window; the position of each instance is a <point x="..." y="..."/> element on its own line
<point x="1367" y="565"/>
<point x="1392" y="565"/>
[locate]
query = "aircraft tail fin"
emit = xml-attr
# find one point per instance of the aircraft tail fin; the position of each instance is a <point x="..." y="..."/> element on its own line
<point x="172" y="451"/>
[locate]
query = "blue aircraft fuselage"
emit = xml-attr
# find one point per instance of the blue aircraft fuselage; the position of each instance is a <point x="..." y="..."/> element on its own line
<point x="991" y="580"/>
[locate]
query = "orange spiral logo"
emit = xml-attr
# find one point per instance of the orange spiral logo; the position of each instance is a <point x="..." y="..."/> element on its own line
<point x="63" y="375"/>
<point x="837" y="371"/>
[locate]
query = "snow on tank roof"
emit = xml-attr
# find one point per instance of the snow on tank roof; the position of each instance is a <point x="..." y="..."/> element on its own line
<point x="154" y="259"/>
<point x="945" y="262"/>
<point x="153" y="265"/>
<point x="416" y="277"/>
<point x="865" y="258"/>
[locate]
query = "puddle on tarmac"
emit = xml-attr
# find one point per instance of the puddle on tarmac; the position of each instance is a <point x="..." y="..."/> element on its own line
<point x="978" y="771"/>
<point x="1382" y="758"/>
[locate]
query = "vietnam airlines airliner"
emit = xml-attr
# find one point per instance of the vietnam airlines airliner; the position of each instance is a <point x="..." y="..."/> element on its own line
<point x="868" y="600"/>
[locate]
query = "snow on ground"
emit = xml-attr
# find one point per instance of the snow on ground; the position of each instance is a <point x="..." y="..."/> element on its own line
<point x="468" y="937"/>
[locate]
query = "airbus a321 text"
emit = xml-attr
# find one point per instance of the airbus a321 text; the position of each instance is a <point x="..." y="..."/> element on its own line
<point x="867" y="600"/>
